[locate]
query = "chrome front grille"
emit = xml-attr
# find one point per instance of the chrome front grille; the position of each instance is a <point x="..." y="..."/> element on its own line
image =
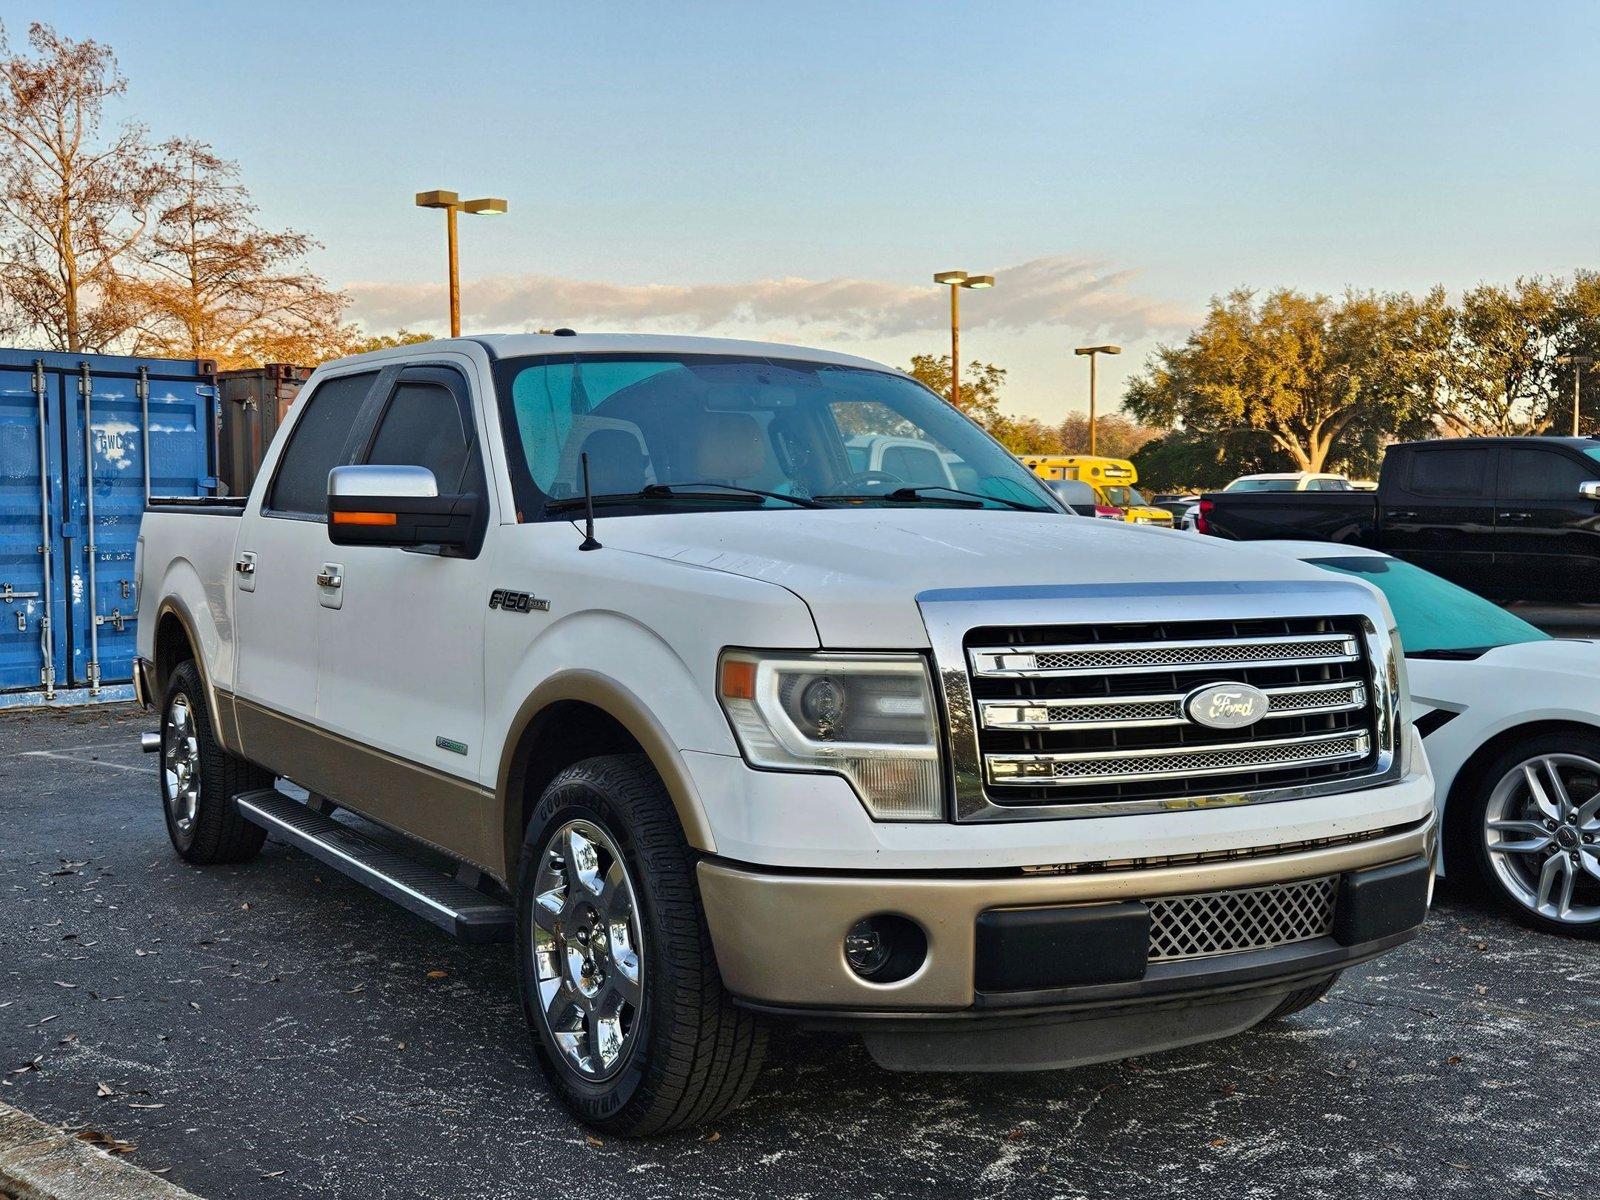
<point x="1157" y="764"/>
<point x="1048" y="662"/>
<point x="1154" y="710"/>
<point x="1066" y="715"/>
<point x="1249" y="919"/>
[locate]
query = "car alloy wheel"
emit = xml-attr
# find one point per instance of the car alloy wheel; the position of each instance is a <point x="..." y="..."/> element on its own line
<point x="587" y="950"/>
<point x="180" y="763"/>
<point x="1542" y="831"/>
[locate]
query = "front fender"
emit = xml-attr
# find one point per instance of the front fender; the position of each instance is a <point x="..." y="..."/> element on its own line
<point x="620" y="703"/>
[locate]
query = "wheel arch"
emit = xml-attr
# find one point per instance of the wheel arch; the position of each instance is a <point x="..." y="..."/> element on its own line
<point x="177" y="640"/>
<point x="1469" y="774"/>
<point x="575" y="715"/>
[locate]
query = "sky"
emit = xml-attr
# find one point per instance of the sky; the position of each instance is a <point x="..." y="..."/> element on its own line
<point x="798" y="171"/>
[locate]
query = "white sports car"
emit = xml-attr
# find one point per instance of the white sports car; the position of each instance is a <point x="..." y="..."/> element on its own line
<point x="1511" y="720"/>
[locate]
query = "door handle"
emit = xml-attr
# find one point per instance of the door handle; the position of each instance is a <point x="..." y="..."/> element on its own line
<point x="329" y="579"/>
<point x="1516" y="516"/>
<point x="1404" y="515"/>
<point x="245" y="564"/>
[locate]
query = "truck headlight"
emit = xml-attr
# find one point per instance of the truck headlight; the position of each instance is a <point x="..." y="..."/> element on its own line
<point x="868" y="717"/>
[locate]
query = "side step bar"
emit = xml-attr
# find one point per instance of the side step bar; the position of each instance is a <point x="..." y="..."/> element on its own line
<point x="459" y="910"/>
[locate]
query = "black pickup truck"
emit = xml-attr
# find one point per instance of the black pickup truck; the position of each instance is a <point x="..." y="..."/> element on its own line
<point x="1514" y="518"/>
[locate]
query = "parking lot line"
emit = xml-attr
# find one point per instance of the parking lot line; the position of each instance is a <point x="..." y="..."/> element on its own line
<point x="87" y="762"/>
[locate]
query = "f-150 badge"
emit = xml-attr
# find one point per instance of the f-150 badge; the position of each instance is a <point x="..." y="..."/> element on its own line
<point x="517" y="601"/>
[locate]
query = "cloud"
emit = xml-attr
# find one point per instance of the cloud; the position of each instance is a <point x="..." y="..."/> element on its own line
<point x="1085" y="296"/>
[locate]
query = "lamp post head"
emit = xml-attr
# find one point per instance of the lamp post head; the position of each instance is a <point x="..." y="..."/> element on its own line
<point x="437" y="199"/>
<point x="488" y="206"/>
<point x="951" y="277"/>
<point x="1098" y="350"/>
<point x="978" y="281"/>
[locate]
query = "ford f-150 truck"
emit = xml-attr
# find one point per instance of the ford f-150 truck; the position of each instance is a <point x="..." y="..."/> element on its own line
<point x="1514" y="518"/>
<point x="721" y="727"/>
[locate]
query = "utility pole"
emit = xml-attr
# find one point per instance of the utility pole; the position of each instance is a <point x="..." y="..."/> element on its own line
<point x="955" y="281"/>
<point x="1093" y="352"/>
<point x="1577" y="362"/>
<point x="453" y="204"/>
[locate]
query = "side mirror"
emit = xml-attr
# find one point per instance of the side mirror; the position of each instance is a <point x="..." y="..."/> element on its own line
<point x="396" y="506"/>
<point x="1590" y="490"/>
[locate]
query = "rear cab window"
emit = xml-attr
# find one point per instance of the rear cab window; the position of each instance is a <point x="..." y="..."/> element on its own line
<point x="320" y="441"/>
<point x="1451" y="472"/>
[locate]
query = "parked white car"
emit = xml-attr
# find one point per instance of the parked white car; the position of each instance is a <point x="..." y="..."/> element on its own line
<point x="1290" y="481"/>
<point x="1511" y="719"/>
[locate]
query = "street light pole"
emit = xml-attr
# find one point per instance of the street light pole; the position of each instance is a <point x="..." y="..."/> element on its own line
<point x="1577" y="362"/>
<point x="453" y="204"/>
<point x="1092" y="352"/>
<point x="956" y="280"/>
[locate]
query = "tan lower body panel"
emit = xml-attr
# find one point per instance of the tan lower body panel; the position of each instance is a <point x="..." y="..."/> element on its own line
<point x="780" y="938"/>
<point x="456" y="815"/>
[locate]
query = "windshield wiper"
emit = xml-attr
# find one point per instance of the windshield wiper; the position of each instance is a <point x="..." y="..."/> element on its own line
<point x="677" y="491"/>
<point x="686" y="491"/>
<point x="913" y="495"/>
<point x="1457" y="653"/>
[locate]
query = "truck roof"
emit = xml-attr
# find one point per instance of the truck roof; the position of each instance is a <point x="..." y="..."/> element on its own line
<point x="1589" y="442"/>
<point x="516" y="345"/>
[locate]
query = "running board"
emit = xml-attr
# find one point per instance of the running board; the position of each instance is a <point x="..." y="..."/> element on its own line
<point x="463" y="912"/>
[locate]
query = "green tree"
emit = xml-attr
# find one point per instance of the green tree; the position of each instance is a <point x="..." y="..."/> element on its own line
<point x="1116" y="435"/>
<point x="980" y="385"/>
<point x="361" y="343"/>
<point x="1315" y="377"/>
<point x="1502" y="377"/>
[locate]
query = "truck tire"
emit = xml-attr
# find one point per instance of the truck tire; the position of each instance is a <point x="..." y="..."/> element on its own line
<point x="616" y="972"/>
<point x="199" y="779"/>
<point x="1302" y="999"/>
<point x="1524" y="843"/>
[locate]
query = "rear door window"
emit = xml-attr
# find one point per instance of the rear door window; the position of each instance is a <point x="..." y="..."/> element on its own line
<point x="320" y="442"/>
<point x="1451" y="473"/>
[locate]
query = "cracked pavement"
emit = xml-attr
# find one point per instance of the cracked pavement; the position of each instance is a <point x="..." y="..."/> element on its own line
<point x="274" y="1030"/>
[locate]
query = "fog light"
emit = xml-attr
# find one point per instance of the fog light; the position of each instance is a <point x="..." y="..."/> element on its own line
<point x="865" y="948"/>
<point x="885" y="948"/>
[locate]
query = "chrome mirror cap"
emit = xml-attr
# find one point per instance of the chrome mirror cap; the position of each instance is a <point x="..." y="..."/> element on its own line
<point x="387" y="481"/>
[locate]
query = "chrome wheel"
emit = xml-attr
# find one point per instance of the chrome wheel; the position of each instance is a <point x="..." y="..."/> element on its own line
<point x="1542" y="831"/>
<point x="180" y="763"/>
<point x="587" y="949"/>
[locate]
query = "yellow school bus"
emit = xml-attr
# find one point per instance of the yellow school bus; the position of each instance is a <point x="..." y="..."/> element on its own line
<point x="1111" y="478"/>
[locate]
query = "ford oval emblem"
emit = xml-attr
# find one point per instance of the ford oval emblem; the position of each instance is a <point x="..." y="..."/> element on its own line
<point x="1226" y="705"/>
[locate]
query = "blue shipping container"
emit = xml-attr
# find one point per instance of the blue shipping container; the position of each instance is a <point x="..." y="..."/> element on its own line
<point x="85" y="440"/>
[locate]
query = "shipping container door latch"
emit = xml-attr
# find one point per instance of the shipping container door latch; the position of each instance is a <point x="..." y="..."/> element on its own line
<point x="10" y="595"/>
<point x="118" y="620"/>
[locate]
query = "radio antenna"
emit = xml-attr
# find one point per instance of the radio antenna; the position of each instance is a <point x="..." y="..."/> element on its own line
<point x="589" y="542"/>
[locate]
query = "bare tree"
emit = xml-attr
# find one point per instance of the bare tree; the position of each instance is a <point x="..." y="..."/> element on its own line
<point x="215" y="284"/>
<point x="72" y="206"/>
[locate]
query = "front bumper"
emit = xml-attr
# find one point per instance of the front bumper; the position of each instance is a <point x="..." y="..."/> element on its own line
<point x="779" y="935"/>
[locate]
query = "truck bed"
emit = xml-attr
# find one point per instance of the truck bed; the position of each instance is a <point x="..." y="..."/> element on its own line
<point x="1348" y="517"/>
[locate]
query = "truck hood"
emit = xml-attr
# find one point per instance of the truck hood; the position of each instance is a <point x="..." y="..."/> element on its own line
<point x="860" y="570"/>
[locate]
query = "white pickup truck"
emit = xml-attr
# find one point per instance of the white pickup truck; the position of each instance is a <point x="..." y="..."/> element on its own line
<point x="721" y="727"/>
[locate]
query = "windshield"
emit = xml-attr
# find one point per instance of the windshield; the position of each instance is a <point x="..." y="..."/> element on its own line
<point x="1433" y="614"/>
<point x="1263" y="485"/>
<point x="700" y="432"/>
<point x="1123" y="496"/>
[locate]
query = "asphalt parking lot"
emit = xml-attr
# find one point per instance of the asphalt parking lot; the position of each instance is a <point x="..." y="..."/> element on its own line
<point x="273" y="1030"/>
